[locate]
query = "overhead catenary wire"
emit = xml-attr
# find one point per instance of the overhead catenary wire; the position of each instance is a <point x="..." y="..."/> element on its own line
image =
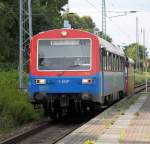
<point x="127" y="35"/>
<point x="91" y="4"/>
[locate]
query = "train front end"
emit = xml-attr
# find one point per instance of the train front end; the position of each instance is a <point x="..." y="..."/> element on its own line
<point x="64" y="70"/>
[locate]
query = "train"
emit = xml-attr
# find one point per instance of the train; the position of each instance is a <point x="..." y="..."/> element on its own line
<point x="76" y="71"/>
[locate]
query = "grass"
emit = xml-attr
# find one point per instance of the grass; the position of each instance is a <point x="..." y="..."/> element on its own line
<point x="122" y="136"/>
<point x="89" y="142"/>
<point x="140" y="77"/>
<point x="15" y="110"/>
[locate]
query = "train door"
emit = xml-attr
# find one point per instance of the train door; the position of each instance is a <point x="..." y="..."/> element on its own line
<point x="103" y="66"/>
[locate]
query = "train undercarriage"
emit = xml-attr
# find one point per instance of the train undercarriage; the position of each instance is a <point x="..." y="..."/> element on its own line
<point x="58" y="105"/>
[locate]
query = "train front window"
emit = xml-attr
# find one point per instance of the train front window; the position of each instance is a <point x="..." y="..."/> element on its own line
<point x="67" y="54"/>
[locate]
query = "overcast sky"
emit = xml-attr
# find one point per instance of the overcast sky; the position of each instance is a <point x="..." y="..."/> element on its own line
<point x="122" y="29"/>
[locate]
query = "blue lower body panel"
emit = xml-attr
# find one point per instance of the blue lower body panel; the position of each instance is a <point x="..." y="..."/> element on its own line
<point x="113" y="82"/>
<point x="66" y="85"/>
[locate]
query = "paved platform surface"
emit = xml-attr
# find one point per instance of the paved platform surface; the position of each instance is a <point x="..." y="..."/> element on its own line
<point x="132" y="127"/>
<point x="138" y="132"/>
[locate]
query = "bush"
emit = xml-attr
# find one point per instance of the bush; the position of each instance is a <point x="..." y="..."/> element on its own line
<point x="15" y="110"/>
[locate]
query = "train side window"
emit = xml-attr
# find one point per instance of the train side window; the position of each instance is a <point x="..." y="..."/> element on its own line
<point x="119" y="63"/>
<point x="107" y="61"/>
<point x="110" y="62"/>
<point x="122" y="64"/>
<point x="104" y="60"/>
<point x="114" y="62"/>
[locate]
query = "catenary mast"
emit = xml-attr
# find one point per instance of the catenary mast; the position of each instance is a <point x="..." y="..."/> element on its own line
<point x="104" y="17"/>
<point x="25" y="34"/>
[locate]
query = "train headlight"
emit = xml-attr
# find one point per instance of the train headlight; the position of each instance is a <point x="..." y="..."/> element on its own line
<point x="87" y="81"/>
<point x="40" y="81"/>
<point x="64" y="33"/>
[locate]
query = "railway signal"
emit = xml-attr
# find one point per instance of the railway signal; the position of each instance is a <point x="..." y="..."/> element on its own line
<point x="146" y="64"/>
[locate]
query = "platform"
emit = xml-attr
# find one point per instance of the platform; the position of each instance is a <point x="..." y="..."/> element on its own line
<point x="114" y="126"/>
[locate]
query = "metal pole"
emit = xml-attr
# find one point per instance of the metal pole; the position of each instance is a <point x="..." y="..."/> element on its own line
<point x="137" y="42"/>
<point x="68" y="7"/>
<point x="104" y="17"/>
<point x="30" y="18"/>
<point x="145" y="60"/>
<point x="21" y="85"/>
<point x="144" y="47"/>
<point x="146" y="78"/>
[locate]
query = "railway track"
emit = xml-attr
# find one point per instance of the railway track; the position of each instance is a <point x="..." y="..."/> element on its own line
<point x="50" y="131"/>
<point x="140" y="87"/>
<point x="24" y="135"/>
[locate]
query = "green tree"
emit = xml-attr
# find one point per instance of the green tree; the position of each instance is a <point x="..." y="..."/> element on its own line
<point x="9" y="31"/>
<point x="131" y="51"/>
<point x="46" y="15"/>
<point x="87" y="24"/>
<point x="84" y="23"/>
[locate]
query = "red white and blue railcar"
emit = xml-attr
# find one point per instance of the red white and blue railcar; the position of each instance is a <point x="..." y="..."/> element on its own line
<point x="71" y="70"/>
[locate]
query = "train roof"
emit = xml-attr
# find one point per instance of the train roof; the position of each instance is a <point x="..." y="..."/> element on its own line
<point x="111" y="48"/>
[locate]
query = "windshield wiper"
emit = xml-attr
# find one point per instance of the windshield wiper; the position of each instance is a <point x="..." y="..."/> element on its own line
<point x="75" y="65"/>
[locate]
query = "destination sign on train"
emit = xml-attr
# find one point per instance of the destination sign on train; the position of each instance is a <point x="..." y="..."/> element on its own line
<point x="64" y="42"/>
